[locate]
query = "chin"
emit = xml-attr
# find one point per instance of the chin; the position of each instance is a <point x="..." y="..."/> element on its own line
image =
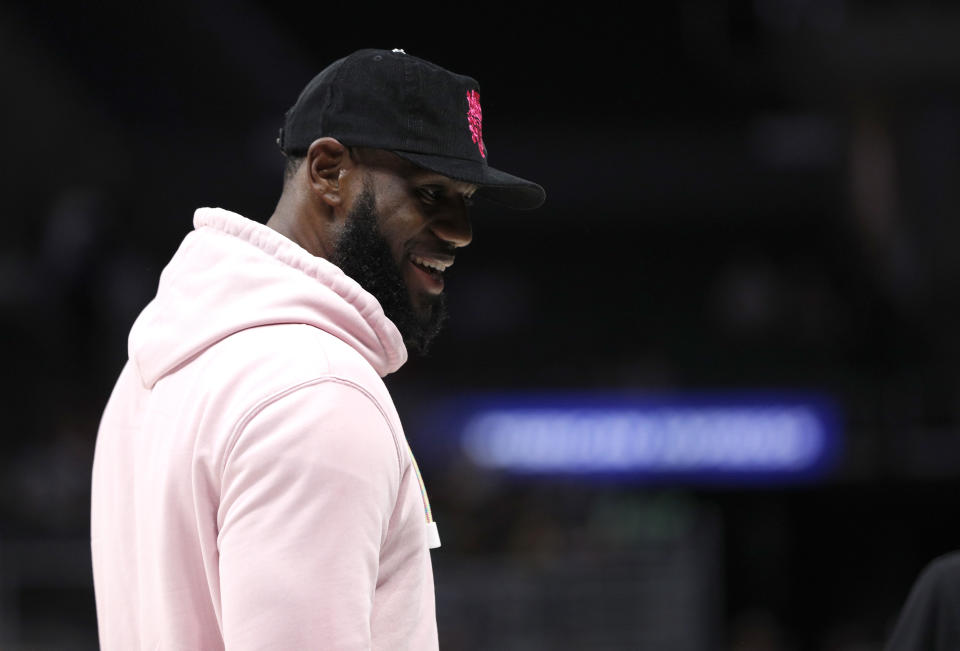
<point x="429" y="313"/>
<point x="423" y="304"/>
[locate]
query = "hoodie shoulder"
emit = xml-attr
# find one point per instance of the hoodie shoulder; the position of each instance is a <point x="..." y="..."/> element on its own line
<point x="272" y="358"/>
<point x="234" y="378"/>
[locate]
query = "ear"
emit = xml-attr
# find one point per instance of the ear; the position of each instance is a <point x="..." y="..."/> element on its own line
<point x="326" y="161"/>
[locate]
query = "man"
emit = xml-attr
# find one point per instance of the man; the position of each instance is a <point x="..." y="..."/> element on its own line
<point x="252" y="485"/>
<point x="928" y="620"/>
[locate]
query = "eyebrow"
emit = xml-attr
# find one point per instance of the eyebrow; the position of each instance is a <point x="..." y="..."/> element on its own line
<point x="463" y="187"/>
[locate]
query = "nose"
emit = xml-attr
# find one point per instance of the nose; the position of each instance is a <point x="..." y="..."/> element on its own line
<point x="454" y="226"/>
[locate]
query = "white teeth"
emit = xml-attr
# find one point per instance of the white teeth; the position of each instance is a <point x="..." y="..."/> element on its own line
<point x="432" y="264"/>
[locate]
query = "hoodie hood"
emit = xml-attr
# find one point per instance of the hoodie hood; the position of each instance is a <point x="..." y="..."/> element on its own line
<point x="230" y="274"/>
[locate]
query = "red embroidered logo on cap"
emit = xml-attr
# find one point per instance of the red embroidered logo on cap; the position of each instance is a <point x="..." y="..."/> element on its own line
<point x="475" y="119"/>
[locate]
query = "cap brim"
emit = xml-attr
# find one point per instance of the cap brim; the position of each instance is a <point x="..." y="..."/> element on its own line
<point x="506" y="189"/>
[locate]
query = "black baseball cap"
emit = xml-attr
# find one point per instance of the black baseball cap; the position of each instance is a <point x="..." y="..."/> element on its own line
<point x="387" y="99"/>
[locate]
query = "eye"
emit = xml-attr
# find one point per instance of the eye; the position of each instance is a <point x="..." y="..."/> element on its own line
<point x="430" y="193"/>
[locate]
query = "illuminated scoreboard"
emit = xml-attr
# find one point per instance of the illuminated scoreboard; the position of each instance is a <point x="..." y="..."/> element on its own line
<point x="713" y="438"/>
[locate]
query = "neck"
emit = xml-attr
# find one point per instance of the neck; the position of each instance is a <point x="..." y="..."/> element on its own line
<point x="294" y="219"/>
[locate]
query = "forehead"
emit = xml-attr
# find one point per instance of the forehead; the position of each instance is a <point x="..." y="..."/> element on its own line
<point x="388" y="163"/>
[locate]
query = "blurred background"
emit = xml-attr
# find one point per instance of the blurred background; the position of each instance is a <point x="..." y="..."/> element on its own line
<point x="745" y="198"/>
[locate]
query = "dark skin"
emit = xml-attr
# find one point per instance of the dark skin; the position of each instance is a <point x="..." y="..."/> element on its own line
<point x="423" y="215"/>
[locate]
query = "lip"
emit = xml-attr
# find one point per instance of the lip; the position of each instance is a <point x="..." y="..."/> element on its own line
<point x="430" y="281"/>
<point x="442" y="261"/>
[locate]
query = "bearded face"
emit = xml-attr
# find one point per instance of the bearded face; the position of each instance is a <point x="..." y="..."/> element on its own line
<point x="365" y="254"/>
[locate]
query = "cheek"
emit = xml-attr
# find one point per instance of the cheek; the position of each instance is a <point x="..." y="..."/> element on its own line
<point x="400" y="228"/>
<point x="397" y="243"/>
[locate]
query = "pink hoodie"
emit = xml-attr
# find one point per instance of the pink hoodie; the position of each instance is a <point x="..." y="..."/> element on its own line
<point x="252" y="485"/>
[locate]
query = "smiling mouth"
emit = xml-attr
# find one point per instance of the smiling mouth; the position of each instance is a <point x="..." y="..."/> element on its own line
<point x="433" y="269"/>
<point x="432" y="265"/>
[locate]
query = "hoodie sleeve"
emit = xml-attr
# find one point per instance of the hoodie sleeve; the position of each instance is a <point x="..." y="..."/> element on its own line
<point x="306" y="497"/>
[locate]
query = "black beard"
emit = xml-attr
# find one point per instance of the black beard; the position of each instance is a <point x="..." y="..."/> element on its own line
<point x="364" y="255"/>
